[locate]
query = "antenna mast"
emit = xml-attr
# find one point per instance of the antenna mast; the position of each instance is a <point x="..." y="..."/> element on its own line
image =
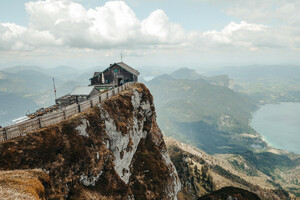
<point x="54" y="88"/>
<point x="121" y="57"/>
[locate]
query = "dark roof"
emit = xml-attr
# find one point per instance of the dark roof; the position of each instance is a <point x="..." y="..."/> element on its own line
<point x="82" y="91"/>
<point x="96" y="73"/>
<point x="121" y="64"/>
<point x="128" y="68"/>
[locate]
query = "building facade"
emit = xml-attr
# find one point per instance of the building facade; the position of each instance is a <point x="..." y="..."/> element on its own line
<point x="115" y="75"/>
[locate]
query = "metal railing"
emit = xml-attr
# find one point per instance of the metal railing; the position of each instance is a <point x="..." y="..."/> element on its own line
<point x="57" y="116"/>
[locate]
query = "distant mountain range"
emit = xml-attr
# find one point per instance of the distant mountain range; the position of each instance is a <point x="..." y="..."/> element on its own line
<point x="258" y="72"/>
<point x="266" y="84"/>
<point x="203" y="111"/>
<point x="13" y="106"/>
<point x="26" y="88"/>
<point x="210" y="114"/>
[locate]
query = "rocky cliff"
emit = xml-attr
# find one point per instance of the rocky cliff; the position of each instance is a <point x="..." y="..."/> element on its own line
<point x="112" y="151"/>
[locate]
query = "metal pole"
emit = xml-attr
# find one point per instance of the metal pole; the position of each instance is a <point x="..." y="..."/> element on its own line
<point x="54" y="88"/>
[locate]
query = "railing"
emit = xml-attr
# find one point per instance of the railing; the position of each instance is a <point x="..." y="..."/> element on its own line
<point x="57" y="116"/>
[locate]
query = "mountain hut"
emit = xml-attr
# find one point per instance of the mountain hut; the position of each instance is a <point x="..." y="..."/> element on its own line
<point x="115" y="75"/>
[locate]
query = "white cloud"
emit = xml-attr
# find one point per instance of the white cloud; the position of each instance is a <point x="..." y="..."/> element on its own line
<point x="234" y="34"/>
<point x="15" y="37"/>
<point x="158" y="28"/>
<point x="111" y="25"/>
<point x="67" y="24"/>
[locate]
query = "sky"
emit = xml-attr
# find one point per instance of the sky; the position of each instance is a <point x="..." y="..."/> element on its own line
<point x="166" y="33"/>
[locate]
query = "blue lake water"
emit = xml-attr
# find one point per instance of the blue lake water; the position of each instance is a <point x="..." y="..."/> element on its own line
<point x="279" y="124"/>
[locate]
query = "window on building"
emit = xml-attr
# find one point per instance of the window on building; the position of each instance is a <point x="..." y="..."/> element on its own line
<point x="115" y="70"/>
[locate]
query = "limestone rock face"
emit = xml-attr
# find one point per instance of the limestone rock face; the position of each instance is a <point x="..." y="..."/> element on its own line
<point x="112" y="151"/>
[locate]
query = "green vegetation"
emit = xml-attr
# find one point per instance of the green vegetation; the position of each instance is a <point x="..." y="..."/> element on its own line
<point x="231" y="193"/>
<point x="250" y="171"/>
<point x="271" y="91"/>
<point x="268" y="162"/>
<point x="201" y="173"/>
<point x="193" y="173"/>
<point x="207" y="137"/>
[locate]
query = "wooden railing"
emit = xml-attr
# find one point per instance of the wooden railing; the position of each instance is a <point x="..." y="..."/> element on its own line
<point x="22" y="128"/>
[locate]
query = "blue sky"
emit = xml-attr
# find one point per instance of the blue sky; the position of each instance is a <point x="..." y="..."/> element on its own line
<point x="149" y="32"/>
<point x="192" y="15"/>
<point x="13" y="11"/>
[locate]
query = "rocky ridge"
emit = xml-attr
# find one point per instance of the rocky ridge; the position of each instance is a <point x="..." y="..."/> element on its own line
<point x="202" y="174"/>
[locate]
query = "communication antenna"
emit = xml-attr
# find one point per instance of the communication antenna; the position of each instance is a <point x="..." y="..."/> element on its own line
<point x="54" y="87"/>
<point x="121" y="57"/>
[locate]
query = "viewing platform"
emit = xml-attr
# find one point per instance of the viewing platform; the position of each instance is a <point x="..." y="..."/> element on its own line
<point x="58" y="115"/>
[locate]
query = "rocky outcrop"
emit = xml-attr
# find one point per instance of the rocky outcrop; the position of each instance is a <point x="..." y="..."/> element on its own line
<point x="231" y="193"/>
<point x="112" y="151"/>
<point x="201" y="174"/>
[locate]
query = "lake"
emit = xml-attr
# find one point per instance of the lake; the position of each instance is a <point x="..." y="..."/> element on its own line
<point x="279" y="124"/>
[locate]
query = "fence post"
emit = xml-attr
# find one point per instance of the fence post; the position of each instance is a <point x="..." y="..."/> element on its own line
<point x="107" y="95"/>
<point x="91" y="103"/>
<point x="40" y="122"/>
<point x="100" y="98"/>
<point x="65" y="114"/>
<point x="79" y="109"/>
<point x="5" y="134"/>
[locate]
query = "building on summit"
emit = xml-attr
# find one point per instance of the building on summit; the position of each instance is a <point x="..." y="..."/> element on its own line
<point x="115" y="75"/>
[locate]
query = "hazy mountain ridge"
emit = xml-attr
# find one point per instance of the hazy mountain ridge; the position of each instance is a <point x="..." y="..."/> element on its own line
<point x="34" y="85"/>
<point x="13" y="106"/>
<point x="266" y="84"/>
<point x="186" y="106"/>
<point x="256" y="72"/>
<point x="191" y="74"/>
<point x="215" y="129"/>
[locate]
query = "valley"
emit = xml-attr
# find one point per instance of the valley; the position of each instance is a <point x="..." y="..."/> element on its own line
<point x="205" y="112"/>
